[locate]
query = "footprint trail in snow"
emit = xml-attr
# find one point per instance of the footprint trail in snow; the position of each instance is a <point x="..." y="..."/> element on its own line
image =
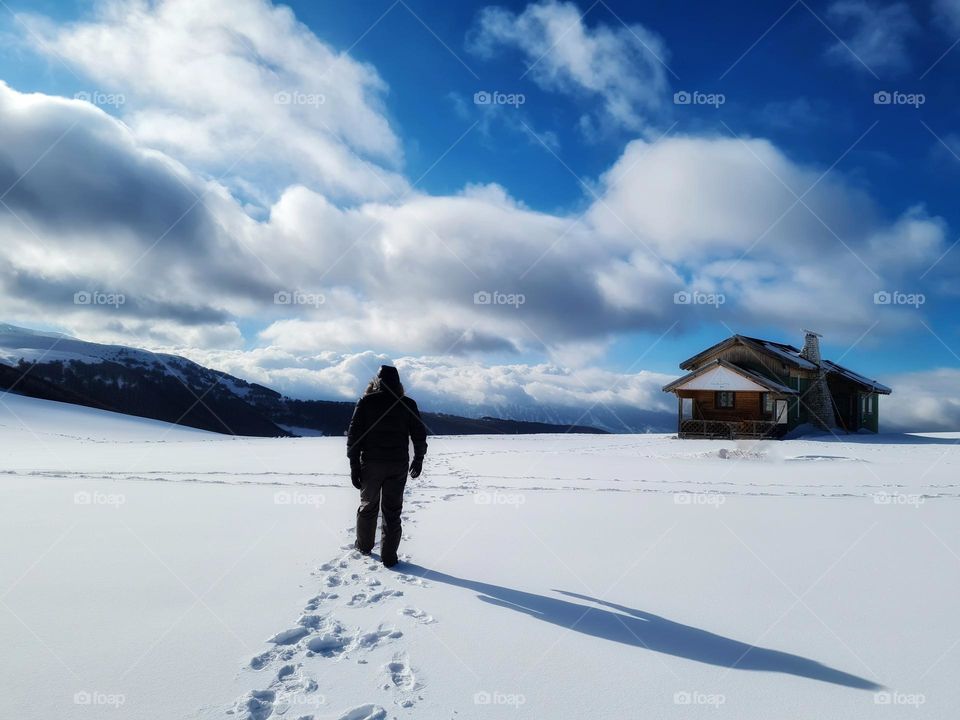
<point x="327" y="632"/>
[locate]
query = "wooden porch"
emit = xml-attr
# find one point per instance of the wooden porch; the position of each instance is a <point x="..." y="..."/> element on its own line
<point x="729" y="429"/>
<point x="701" y="414"/>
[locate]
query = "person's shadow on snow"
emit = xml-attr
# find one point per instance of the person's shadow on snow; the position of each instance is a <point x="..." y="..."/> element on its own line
<point x="645" y="630"/>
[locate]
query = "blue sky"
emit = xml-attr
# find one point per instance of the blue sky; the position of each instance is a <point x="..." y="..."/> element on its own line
<point x="767" y="91"/>
<point x="797" y="79"/>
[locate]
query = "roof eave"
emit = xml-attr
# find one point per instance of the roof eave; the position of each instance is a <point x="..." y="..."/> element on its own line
<point x="753" y="377"/>
<point x="689" y="363"/>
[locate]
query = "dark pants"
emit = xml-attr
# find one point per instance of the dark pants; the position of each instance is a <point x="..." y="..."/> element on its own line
<point x="381" y="487"/>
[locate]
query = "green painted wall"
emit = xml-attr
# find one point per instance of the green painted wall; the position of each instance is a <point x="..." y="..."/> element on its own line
<point x="798" y="412"/>
<point x="871" y="421"/>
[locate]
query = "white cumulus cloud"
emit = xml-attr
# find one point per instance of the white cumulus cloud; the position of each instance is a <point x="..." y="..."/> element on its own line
<point x="873" y="36"/>
<point x="236" y="88"/>
<point x="621" y="66"/>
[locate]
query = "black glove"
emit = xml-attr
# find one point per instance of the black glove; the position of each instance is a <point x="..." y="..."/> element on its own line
<point x="416" y="467"/>
<point x="355" y="473"/>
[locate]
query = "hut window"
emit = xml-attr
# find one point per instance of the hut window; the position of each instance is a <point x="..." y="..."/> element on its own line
<point x="768" y="403"/>
<point x="724" y="399"/>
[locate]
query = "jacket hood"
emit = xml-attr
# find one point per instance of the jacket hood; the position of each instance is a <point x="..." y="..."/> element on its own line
<point x="389" y="376"/>
<point x="387" y="379"/>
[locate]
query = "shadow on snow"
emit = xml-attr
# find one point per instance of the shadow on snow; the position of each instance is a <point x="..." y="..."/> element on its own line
<point x="626" y="625"/>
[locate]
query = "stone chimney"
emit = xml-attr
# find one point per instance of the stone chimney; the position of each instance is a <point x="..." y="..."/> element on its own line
<point x="811" y="346"/>
<point x="817" y="399"/>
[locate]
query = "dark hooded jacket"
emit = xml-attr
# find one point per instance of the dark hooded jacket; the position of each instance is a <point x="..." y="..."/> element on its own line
<point x="385" y="421"/>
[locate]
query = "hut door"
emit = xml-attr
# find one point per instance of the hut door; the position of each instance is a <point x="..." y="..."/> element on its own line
<point x="781" y="412"/>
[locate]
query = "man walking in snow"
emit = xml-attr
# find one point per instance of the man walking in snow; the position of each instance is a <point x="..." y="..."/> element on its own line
<point x="383" y="424"/>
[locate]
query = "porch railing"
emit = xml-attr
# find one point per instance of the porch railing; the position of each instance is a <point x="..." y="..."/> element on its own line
<point x="728" y="429"/>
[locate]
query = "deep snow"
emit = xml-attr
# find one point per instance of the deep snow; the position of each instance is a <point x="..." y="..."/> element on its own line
<point x="159" y="572"/>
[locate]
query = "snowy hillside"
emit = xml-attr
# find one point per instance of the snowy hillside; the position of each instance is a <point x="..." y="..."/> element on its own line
<point x="42" y="420"/>
<point x="18" y="344"/>
<point x="137" y="382"/>
<point x="175" y="389"/>
<point x="178" y="574"/>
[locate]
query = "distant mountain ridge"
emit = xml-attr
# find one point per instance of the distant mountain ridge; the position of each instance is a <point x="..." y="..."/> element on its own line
<point x="174" y="389"/>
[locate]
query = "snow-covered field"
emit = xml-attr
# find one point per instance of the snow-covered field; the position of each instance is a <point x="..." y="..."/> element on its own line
<point x="158" y="572"/>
